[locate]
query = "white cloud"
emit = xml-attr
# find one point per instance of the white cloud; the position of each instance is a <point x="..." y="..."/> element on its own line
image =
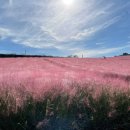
<point x="43" y="23"/>
<point x="99" y="52"/>
<point x="4" y="33"/>
<point x="100" y="43"/>
<point x="10" y="2"/>
<point x="94" y="29"/>
<point x="5" y="52"/>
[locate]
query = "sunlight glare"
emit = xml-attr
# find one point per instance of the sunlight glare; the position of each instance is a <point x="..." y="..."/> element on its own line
<point x="68" y="2"/>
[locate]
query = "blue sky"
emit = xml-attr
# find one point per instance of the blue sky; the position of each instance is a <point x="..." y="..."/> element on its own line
<point x="94" y="28"/>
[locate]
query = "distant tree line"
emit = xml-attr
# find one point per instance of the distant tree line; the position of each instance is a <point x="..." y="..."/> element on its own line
<point x="72" y="56"/>
<point x="125" y="54"/>
<point x="24" y="55"/>
<point x="16" y="55"/>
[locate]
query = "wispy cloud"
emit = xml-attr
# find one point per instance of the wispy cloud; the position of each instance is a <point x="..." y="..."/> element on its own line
<point x="94" y="29"/>
<point x="44" y="24"/>
<point x="10" y="2"/>
<point x="5" y="52"/>
<point x="4" y="33"/>
<point x="100" y="52"/>
<point x="100" y="43"/>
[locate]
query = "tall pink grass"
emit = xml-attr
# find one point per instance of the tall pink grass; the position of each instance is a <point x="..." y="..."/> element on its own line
<point x="40" y="75"/>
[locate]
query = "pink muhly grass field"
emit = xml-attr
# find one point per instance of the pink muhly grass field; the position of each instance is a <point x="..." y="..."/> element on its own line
<point x="40" y="75"/>
<point x="64" y="86"/>
<point x="43" y="73"/>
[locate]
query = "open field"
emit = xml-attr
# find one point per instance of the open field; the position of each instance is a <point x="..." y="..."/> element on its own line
<point x="115" y="71"/>
<point x="65" y="93"/>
